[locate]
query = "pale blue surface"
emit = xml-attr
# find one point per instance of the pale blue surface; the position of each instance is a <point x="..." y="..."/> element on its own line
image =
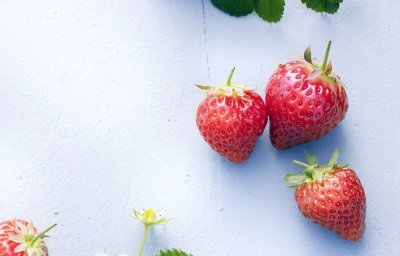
<point x="97" y="107"/>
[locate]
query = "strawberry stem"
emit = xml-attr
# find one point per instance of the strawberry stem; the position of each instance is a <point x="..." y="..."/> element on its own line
<point x="323" y="67"/>
<point x="42" y="234"/>
<point x="228" y="82"/>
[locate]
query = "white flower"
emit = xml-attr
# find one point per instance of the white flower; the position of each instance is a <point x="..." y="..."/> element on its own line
<point x="149" y="217"/>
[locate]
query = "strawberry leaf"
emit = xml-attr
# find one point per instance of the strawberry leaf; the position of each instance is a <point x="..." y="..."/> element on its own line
<point x="173" y="252"/>
<point x="270" y="10"/>
<point x="328" y="6"/>
<point x="235" y="8"/>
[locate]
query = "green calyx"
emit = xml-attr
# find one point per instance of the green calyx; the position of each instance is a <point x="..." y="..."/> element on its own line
<point x="30" y="243"/>
<point x="229" y="88"/>
<point x="41" y="235"/>
<point x="312" y="171"/>
<point x="326" y="67"/>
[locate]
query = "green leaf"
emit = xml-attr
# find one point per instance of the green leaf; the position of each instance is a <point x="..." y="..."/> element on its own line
<point x="235" y="7"/>
<point x="269" y="10"/>
<point x="311" y="159"/>
<point x="328" y="6"/>
<point x="173" y="252"/>
<point x="294" y="178"/>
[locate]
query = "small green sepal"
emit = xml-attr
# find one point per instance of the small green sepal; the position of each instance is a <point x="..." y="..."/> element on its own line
<point x="296" y="185"/>
<point x="294" y="178"/>
<point x="334" y="158"/>
<point x="204" y="87"/>
<point x="328" y="69"/>
<point x="301" y="164"/>
<point x="228" y="88"/>
<point x="307" y="55"/>
<point x="311" y="159"/>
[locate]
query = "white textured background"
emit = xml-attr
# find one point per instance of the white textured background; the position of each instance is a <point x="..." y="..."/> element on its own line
<point x="97" y="109"/>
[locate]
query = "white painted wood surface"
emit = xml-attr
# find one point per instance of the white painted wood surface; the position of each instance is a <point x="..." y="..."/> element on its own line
<point x="97" y="109"/>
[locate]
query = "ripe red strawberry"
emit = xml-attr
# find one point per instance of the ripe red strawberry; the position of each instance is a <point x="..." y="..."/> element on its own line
<point x="331" y="196"/>
<point x="20" y="238"/>
<point x="304" y="101"/>
<point x="231" y="118"/>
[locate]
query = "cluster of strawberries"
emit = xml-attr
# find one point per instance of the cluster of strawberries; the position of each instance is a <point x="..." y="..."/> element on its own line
<point x="303" y="101"/>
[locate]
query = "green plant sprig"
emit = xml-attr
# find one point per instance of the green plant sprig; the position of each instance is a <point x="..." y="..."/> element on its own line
<point x="271" y="10"/>
<point x="150" y="217"/>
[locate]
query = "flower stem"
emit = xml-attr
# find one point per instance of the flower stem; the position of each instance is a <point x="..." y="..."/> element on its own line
<point x="146" y="230"/>
<point x="42" y="234"/>
<point x="323" y="67"/>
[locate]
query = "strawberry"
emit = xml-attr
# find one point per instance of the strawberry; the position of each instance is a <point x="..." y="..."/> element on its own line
<point x="331" y="196"/>
<point x="231" y="118"/>
<point x="304" y="100"/>
<point x="20" y="238"/>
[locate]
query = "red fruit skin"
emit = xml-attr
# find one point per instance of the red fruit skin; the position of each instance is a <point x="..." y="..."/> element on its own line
<point x="231" y="125"/>
<point x="303" y="106"/>
<point x="338" y="203"/>
<point x="7" y="246"/>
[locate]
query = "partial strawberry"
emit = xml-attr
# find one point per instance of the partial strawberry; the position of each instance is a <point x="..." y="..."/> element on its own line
<point x="331" y="196"/>
<point x="20" y="238"/>
<point x="305" y="101"/>
<point x="231" y="118"/>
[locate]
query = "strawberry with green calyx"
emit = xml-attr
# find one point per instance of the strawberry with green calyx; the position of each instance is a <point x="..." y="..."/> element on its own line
<point x="331" y="196"/>
<point x="305" y="101"/>
<point x="21" y="238"/>
<point x="231" y="118"/>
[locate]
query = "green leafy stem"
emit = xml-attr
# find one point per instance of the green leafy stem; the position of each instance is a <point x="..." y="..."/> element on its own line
<point x="150" y="217"/>
<point x="271" y="10"/>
